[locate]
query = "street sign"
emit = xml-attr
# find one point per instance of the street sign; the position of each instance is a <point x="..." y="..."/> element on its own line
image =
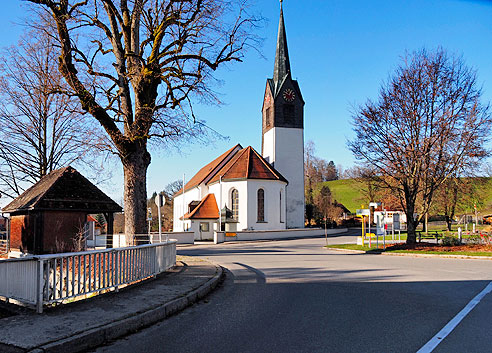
<point x="160" y="200"/>
<point x="363" y="212"/>
<point x="396" y="221"/>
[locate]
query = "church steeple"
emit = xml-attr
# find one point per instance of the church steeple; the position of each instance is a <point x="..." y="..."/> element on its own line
<point x="282" y="63"/>
<point x="283" y="130"/>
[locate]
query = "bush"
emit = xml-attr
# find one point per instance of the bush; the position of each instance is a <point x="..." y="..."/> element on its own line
<point x="474" y="239"/>
<point x="450" y="241"/>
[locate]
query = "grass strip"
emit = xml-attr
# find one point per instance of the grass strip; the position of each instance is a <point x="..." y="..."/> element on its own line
<point x="373" y="250"/>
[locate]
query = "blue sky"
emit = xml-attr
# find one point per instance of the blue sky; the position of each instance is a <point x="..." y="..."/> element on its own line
<point x="340" y="50"/>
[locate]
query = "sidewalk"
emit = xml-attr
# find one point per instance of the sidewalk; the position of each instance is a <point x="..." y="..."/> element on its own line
<point x="89" y="323"/>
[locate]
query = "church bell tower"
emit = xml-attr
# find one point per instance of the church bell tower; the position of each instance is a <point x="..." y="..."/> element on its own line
<point x="283" y="129"/>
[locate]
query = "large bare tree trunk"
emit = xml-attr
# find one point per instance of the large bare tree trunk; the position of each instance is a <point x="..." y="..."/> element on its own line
<point x="135" y="167"/>
<point x="448" y="222"/>
<point x="411" y="223"/>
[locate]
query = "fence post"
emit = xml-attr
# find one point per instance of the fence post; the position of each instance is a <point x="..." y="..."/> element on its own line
<point x="40" y="287"/>
<point x="116" y="269"/>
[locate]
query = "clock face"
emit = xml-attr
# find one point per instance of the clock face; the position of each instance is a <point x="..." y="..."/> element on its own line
<point x="289" y="95"/>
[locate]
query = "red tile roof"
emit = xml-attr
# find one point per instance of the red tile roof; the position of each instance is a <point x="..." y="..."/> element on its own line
<point x="206" y="209"/>
<point x="209" y="169"/>
<point x="247" y="164"/>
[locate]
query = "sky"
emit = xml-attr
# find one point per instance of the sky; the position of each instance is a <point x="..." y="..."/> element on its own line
<point x="341" y="52"/>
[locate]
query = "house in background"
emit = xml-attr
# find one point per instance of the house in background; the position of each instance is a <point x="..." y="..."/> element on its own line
<point x="92" y="228"/>
<point x="51" y="216"/>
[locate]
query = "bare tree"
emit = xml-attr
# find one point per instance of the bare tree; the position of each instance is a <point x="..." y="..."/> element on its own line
<point x="317" y="169"/>
<point x="172" y="188"/>
<point x="325" y="207"/>
<point x="459" y="195"/>
<point x="41" y="127"/>
<point x="136" y="66"/>
<point x="427" y="123"/>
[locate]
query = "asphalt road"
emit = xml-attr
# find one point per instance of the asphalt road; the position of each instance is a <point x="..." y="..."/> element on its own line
<point x="296" y="296"/>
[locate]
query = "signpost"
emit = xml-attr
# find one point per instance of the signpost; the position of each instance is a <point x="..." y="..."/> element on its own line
<point x="149" y="217"/>
<point x="375" y="205"/>
<point x="361" y="213"/>
<point x="160" y="201"/>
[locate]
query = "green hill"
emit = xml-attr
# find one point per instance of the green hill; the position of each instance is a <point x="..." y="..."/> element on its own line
<point x="350" y="193"/>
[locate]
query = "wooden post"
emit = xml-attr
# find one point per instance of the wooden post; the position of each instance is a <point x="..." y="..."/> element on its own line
<point x="110" y="229"/>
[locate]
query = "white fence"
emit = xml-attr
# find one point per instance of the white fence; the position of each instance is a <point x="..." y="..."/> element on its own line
<point x="121" y="240"/>
<point x="248" y="235"/>
<point x="45" y="279"/>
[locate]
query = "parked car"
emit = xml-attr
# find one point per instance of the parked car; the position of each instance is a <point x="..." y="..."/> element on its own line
<point x="487" y="219"/>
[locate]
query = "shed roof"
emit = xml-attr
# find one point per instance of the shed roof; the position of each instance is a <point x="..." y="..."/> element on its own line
<point x="63" y="189"/>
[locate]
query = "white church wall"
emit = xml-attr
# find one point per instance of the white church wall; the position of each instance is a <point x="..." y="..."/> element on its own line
<point x="285" y="148"/>
<point x="273" y="218"/>
<point x="179" y="210"/>
<point x="227" y="187"/>
<point x="215" y="189"/>
<point x="268" y="146"/>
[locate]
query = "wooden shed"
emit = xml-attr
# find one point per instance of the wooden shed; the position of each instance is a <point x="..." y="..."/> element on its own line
<point x="50" y="216"/>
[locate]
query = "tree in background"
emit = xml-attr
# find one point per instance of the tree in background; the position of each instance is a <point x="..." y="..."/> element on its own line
<point x="41" y="127"/>
<point x="459" y="195"/>
<point x="167" y="211"/>
<point x="372" y="188"/>
<point x="325" y="206"/>
<point x="136" y="66"/>
<point x="427" y="124"/>
<point x="316" y="170"/>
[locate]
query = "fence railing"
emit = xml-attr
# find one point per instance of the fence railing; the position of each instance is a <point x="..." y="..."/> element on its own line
<point x="121" y="240"/>
<point x="46" y="279"/>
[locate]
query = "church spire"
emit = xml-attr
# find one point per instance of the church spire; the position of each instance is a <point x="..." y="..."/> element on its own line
<point x="282" y="63"/>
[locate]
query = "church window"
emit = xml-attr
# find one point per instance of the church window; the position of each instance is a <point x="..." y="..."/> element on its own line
<point x="261" y="205"/>
<point x="289" y="113"/>
<point x="235" y="204"/>
<point x="268" y="117"/>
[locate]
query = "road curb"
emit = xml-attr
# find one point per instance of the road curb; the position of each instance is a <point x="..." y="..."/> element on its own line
<point x="99" y="335"/>
<point x="444" y="256"/>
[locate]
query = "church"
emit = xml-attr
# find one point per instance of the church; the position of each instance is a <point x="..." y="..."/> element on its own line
<point x="243" y="189"/>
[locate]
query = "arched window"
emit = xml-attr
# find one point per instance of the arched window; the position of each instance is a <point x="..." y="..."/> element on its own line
<point x="235" y="204"/>
<point x="261" y="205"/>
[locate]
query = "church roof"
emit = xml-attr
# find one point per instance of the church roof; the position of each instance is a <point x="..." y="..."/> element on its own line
<point x="63" y="189"/>
<point x="206" y="209"/>
<point x="248" y="164"/>
<point x="208" y="171"/>
<point x="281" y="69"/>
<point x="282" y="62"/>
